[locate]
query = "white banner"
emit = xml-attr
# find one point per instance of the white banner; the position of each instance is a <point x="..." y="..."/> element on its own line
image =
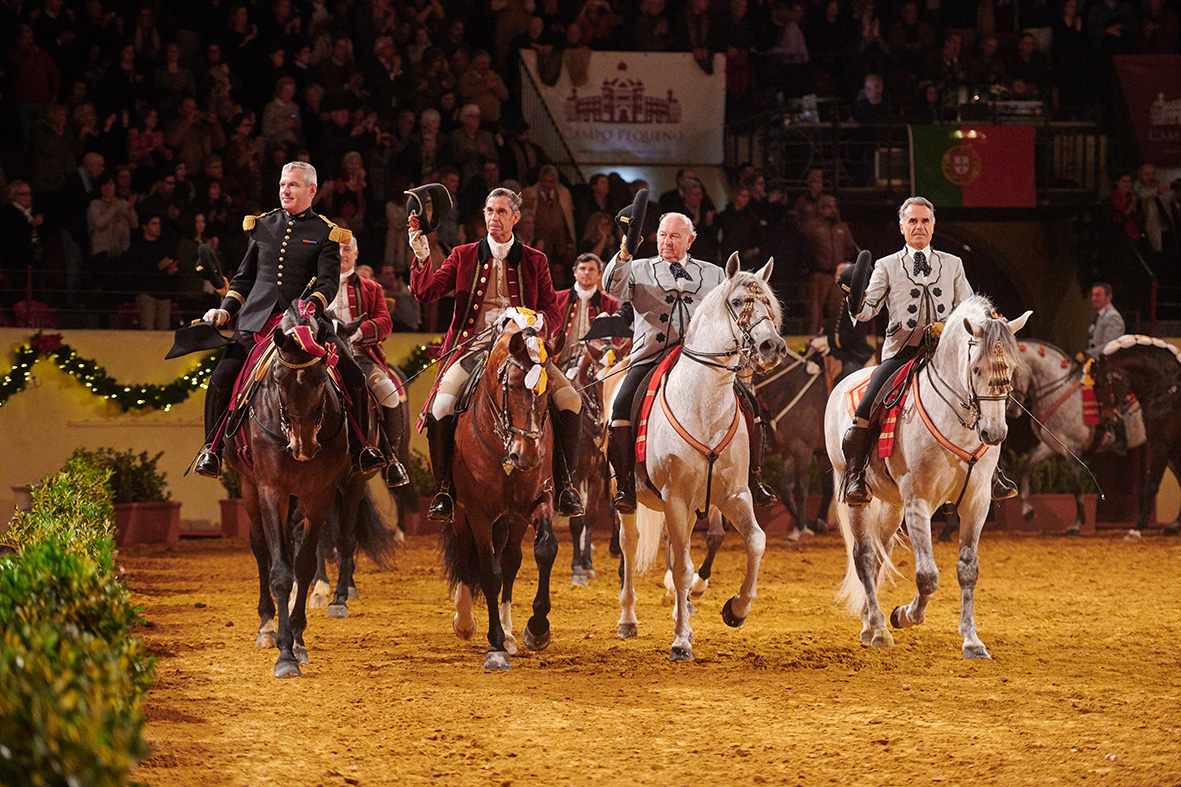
<point x="637" y="108"/>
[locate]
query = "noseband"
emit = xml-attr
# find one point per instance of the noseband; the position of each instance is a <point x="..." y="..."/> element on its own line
<point x="1000" y="385"/>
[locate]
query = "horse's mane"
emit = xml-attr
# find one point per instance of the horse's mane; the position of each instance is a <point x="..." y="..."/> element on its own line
<point x="740" y="280"/>
<point x="1134" y="342"/>
<point x="979" y="310"/>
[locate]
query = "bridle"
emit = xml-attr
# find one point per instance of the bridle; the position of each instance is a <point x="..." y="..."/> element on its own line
<point x="744" y="320"/>
<point x="1000" y="386"/>
<point x="287" y="418"/>
<point x="502" y="423"/>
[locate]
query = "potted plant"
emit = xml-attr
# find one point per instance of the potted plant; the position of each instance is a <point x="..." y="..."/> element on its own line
<point x="423" y="482"/>
<point x="235" y="522"/>
<point x="144" y="510"/>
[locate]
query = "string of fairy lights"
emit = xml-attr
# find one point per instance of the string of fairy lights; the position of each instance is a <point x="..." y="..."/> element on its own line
<point x="127" y="396"/>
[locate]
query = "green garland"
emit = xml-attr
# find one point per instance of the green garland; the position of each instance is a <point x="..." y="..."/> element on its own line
<point x="139" y="397"/>
<point x="94" y="377"/>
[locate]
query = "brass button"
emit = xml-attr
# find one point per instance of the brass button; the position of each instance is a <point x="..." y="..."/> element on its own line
<point x="465" y="333"/>
<point x="284" y="243"/>
<point x="479" y="292"/>
<point x="280" y="268"/>
<point x="291" y="224"/>
<point x="280" y="259"/>
<point x="483" y="279"/>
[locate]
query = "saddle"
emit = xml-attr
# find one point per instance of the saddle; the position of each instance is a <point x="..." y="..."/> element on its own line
<point x="475" y="367"/>
<point x="888" y="403"/>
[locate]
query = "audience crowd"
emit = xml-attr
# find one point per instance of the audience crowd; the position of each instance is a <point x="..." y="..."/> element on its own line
<point x="135" y="135"/>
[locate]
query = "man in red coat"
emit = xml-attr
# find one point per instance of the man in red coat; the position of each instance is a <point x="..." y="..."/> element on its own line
<point x="362" y="318"/>
<point x="488" y="277"/>
<point x="581" y="304"/>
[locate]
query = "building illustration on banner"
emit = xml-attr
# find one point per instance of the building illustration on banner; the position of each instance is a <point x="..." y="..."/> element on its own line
<point x="1165" y="113"/>
<point x="622" y="100"/>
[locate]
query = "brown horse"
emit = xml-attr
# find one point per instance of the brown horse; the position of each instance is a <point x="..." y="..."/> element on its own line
<point x="1150" y="369"/>
<point x="297" y="439"/>
<point x="503" y="483"/>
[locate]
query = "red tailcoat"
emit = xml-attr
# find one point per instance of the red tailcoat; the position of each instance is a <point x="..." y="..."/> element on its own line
<point x="367" y="297"/>
<point x="600" y="303"/>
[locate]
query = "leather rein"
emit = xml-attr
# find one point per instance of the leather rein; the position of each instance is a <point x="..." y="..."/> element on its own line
<point x="286" y="418"/>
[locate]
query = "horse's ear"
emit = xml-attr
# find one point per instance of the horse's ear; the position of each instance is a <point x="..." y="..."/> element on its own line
<point x="279" y="337"/>
<point x="764" y="272"/>
<point x="1019" y="323"/>
<point x="732" y="265"/>
<point x="972" y="329"/>
<point x="516" y="344"/>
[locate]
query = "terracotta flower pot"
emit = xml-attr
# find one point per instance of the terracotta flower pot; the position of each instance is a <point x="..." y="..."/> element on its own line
<point x="147" y="523"/>
<point x="235" y="522"/>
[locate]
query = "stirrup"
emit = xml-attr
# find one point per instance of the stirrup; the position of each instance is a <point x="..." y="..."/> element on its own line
<point x="569" y="503"/>
<point x="208" y="464"/>
<point x="625" y="501"/>
<point x="761" y="494"/>
<point x="370" y="460"/>
<point x="857" y="492"/>
<point x="1002" y="487"/>
<point x="395" y="475"/>
<point x="442" y="507"/>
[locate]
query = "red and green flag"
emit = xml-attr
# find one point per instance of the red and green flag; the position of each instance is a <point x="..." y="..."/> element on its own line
<point x="974" y="166"/>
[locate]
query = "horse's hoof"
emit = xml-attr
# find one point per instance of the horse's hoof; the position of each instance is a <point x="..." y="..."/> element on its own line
<point x="287" y="668"/>
<point x="539" y="642"/>
<point x="464" y="634"/>
<point x="266" y="639"/>
<point x="728" y="616"/>
<point x="1073" y="531"/>
<point x="975" y="652"/>
<point x="1134" y="536"/>
<point x="819" y="527"/>
<point x="1030" y="515"/>
<point x="353" y="594"/>
<point x="866" y="636"/>
<point x="590" y="572"/>
<point x="338" y="611"/>
<point x="680" y="654"/>
<point x="317" y="601"/>
<point x="882" y="639"/>
<point x="578" y="580"/>
<point x="301" y="654"/>
<point x="496" y="661"/>
<point x="898" y="618"/>
<point x="627" y="631"/>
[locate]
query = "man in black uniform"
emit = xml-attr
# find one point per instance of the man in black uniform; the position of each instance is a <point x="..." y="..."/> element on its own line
<point x="287" y="247"/>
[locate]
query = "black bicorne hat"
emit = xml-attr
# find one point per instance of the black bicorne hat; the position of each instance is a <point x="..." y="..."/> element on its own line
<point x="631" y="220"/>
<point x="196" y="337"/>
<point x="430" y="203"/>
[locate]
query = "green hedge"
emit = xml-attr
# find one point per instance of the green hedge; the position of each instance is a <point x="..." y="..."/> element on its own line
<point x="72" y="678"/>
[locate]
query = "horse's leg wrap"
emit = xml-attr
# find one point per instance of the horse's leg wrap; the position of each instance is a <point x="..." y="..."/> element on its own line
<point x="217" y="400"/>
<point x="395" y="474"/>
<point x="621" y="452"/>
<point x="441" y="440"/>
<point x="567" y="430"/>
<point x="855" y="446"/>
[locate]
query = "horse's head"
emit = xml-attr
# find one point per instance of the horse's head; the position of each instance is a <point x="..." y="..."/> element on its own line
<point x="990" y="356"/>
<point x="301" y="381"/>
<point x="517" y="384"/>
<point x="754" y="312"/>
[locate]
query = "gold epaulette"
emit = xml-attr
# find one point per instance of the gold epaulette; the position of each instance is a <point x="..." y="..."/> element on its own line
<point x="249" y="220"/>
<point x="338" y="234"/>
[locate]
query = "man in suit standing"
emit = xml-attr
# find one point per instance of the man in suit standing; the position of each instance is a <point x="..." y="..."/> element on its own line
<point x="664" y="292"/>
<point x="1108" y="323"/>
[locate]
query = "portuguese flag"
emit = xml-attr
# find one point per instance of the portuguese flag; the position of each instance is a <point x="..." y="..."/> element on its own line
<point x="974" y="166"/>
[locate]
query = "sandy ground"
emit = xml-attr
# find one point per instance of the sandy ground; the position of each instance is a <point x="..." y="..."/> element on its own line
<point x="1084" y="687"/>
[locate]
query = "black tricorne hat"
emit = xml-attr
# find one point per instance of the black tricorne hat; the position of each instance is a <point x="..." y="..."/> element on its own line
<point x="196" y="337"/>
<point x="430" y="203"/>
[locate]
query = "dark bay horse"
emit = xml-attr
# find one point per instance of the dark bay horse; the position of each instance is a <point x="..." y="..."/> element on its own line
<point x="794" y="396"/>
<point x="503" y="483"/>
<point x="1151" y="369"/>
<point x="296" y="438"/>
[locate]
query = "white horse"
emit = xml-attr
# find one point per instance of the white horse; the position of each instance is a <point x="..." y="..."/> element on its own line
<point x="697" y="446"/>
<point x="946" y="445"/>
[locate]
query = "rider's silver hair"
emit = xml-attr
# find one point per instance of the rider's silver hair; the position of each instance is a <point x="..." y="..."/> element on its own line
<point x="514" y="199"/>
<point x="309" y="172"/>
<point x="926" y="203"/>
<point x="689" y="221"/>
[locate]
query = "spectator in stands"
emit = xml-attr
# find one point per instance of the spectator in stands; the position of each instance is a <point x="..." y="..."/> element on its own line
<point x="22" y="250"/>
<point x="81" y="187"/>
<point x="281" y="118"/>
<point x="520" y="157"/>
<point x="1030" y="66"/>
<point x="474" y="194"/>
<point x="448" y="235"/>
<point x="218" y="209"/>
<point x="345" y="198"/>
<point x="1072" y="55"/>
<point x="553" y="212"/>
<point x="122" y="86"/>
<point x="702" y="216"/>
<point x="1158" y="29"/>
<point x="151" y="261"/>
<point x="111" y="221"/>
<point x="949" y="72"/>
<point x="734" y="34"/>
<point x="987" y="68"/>
<point x="242" y="161"/>
<point x="1111" y="24"/>
<point x="593" y="198"/>
<point x="164" y="202"/>
<point x="912" y="40"/>
<point x="145" y="142"/>
<point x="806" y="207"/>
<point x="35" y="82"/>
<point x="482" y="86"/>
<point x="693" y="33"/>
<point x="197" y="246"/>
<point x="55" y="155"/>
<point x="831" y="242"/>
<point x="468" y="146"/>
<point x="599" y="236"/>
<point x="871" y="107"/>
<point x="387" y="80"/>
<point x="405" y="311"/>
<point x="173" y="82"/>
<point x="194" y="135"/>
<point x="651" y="30"/>
<point x="1107" y="324"/>
<point x="740" y="229"/>
<point x="1149" y="192"/>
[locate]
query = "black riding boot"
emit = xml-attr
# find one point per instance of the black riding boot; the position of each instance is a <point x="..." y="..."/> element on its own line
<point x="621" y="452"/>
<point x="366" y="458"/>
<point x="217" y="399"/>
<point x="567" y="430"/>
<point x="1002" y="487"/>
<point x="395" y="474"/>
<point x="760" y="493"/>
<point x="441" y="439"/>
<point x="855" y="446"/>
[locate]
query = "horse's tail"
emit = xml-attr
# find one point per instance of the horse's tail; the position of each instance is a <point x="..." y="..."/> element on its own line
<point x="650" y="524"/>
<point x="372" y="533"/>
<point x="851" y="591"/>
